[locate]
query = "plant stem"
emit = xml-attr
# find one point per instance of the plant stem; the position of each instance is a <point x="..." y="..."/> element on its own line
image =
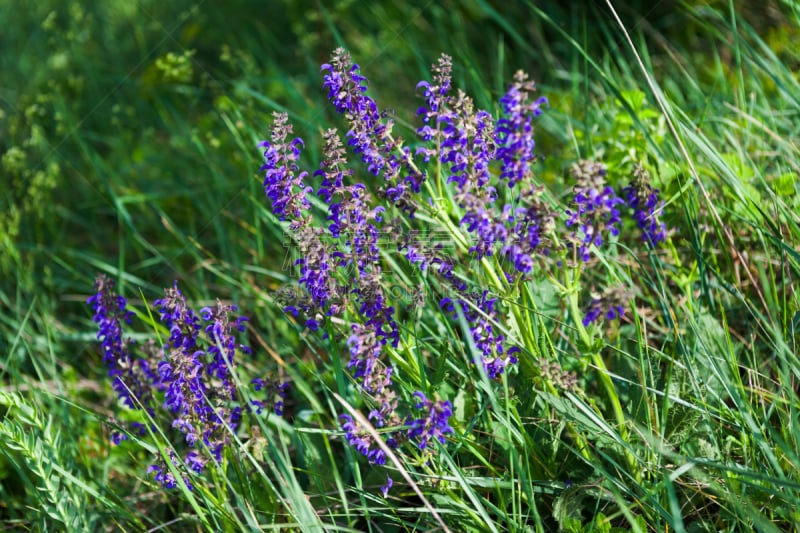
<point x="605" y="378"/>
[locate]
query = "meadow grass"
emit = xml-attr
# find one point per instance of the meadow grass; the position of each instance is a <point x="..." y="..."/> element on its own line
<point x="129" y="148"/>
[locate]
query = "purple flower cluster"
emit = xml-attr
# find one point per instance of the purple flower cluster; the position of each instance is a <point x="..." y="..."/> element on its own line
<point x="433" y="424"/>
<point x="316" y="268"/>
<point x="352" y="247"/>
<point x="595" y="211"/>
<point x="643" y="199"/>
<point x="281" y="181"/>
<point x="514" y="132"/>
<point x="596" y="308"/>
<point x="366" y="346"/>
<point x="363" y="442"/>
<point x="480" y="312"/>
<point x="610" y="305"/>
<point x="346" y="91"/>
<point x="198" y="389"/>
<point x="530" y="227"/>
<point x="191" y="377"/>
<point x="353" y="243"/>
<point x="275" y="392"/>
<point x="222" y="341"/>
<point x="370" y="131"/>
<point x="469" y="144"/>
<point x="131" y="377"/>
<point x="435" y="98"/>
<point x="469" y="158"/>
<point x="110" y="313"/>
<point x="348" y="206"/>
<point x="163" y="474"/>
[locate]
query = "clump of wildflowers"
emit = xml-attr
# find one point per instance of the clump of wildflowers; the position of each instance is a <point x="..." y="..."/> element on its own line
<point x="499" y="206"/>
<point x="188" y="384"/>
<point x="199" y="389"/>
<point x="470" y="142"/>
<point x="352" y="248"/>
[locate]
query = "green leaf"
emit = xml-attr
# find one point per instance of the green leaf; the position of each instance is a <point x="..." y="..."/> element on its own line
<point x="459" y="405"/>
<point x="784" y="184"/>
<point x="742" y="171"/>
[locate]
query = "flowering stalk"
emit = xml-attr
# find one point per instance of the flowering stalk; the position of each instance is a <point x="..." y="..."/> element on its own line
<point x="643" y="199"/>
<point x="132" y="377"/>
<point x="281" y="181"/>
<point x="515" y="131"/>
<point x="346" y="88"/>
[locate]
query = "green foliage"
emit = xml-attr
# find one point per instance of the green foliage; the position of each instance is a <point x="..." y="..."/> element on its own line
<point x="34" y="448"/>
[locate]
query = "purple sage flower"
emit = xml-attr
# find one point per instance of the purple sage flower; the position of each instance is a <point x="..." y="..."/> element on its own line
<point x="282" y="184"/>
<point x="132" y="377"/>
<point x="595" y="211"/>
<point x="643" y="199"/>
<point x="275" y="392"/>
<point x="223" y="345"/>
<point x="346" y="91"/>
<point x="370" y="130"/>
<point x="480" y="311"/>
<point x="609" y="305"/>
<point x="360" y="439"/>
<point x="198" y="385"/>
<point x="530" y="224"/>
<point x="192" y="374"/>
<point x="435" y="99"/>
<point x="514" y="132"/>
<point x="386" y="488"/>
<point x="433" y="423"/>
